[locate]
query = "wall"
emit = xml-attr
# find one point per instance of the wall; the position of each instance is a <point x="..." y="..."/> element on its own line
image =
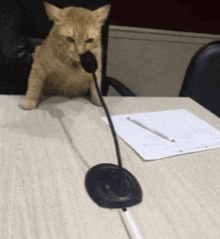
<point x="151" y="62"/>
<point x="178" y="15"/>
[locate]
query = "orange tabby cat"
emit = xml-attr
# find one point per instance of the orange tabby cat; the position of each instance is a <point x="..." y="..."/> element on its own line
<point x="56" y="68"/>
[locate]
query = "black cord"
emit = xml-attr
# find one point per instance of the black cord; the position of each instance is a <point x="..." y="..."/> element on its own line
<point x="110" y="123"/>
<point x="126" y="191"/>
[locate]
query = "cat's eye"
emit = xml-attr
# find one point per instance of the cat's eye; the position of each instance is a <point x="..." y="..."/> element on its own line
<point x="70" y="39"/>
<point x="89" y="40"/>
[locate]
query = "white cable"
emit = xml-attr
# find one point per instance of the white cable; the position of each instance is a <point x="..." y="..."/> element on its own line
<point x="130" y="224"/>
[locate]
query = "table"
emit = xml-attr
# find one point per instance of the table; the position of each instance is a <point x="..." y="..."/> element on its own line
<point x="46" y="152"/>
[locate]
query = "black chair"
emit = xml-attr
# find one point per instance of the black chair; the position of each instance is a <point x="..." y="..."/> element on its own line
<point x="24" y="52"/>
<point x="202" y="78"/>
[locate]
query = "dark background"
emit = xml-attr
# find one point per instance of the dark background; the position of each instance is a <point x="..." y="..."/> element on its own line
<point x="179" y="15"/>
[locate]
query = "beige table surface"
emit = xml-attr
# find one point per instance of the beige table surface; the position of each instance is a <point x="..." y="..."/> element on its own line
<point x="45" y="154"/>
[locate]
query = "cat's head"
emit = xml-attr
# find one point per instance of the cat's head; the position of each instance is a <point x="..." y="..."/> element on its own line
<point x="77" y="29"/>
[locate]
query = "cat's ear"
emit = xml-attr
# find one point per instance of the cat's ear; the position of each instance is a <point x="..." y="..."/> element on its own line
<point x="101" y="14"/>
<point x="54" y="13"/>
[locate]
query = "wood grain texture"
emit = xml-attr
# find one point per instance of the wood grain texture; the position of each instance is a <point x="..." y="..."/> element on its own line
<point x="45" y="154"/>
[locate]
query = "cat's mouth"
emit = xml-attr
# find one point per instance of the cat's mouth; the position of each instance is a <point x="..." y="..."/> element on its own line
<point x="76" y="62"/>
<point x="76" y="59"/>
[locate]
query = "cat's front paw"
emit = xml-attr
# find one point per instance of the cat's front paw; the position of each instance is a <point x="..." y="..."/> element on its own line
<point x="27" y="104"/>
<point x="96" y="101"/>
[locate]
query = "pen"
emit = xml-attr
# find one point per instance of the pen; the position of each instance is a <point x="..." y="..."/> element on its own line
<point x="151" y="130"/>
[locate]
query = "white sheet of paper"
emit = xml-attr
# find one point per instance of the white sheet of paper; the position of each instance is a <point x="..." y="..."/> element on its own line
<point x="190" y="133"/>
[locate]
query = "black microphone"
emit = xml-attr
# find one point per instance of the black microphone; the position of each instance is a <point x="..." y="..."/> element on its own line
<point x="109" y="185"/>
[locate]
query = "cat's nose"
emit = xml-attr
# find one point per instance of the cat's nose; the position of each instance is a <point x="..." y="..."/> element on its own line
<point x="82" y="54"/>
<point x="89" y="62"/>
<point x="80" y="50"/>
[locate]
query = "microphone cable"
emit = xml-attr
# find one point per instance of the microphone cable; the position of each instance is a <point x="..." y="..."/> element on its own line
<point x="100" y="180"/>
<point x="110" y="122"/>
<point x="128" y="221"/>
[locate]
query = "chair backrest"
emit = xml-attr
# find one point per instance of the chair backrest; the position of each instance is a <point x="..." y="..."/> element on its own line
<point x="202" y="77"/>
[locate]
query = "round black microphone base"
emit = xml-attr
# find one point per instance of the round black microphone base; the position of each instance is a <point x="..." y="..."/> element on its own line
<point x="112" y="187"/>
